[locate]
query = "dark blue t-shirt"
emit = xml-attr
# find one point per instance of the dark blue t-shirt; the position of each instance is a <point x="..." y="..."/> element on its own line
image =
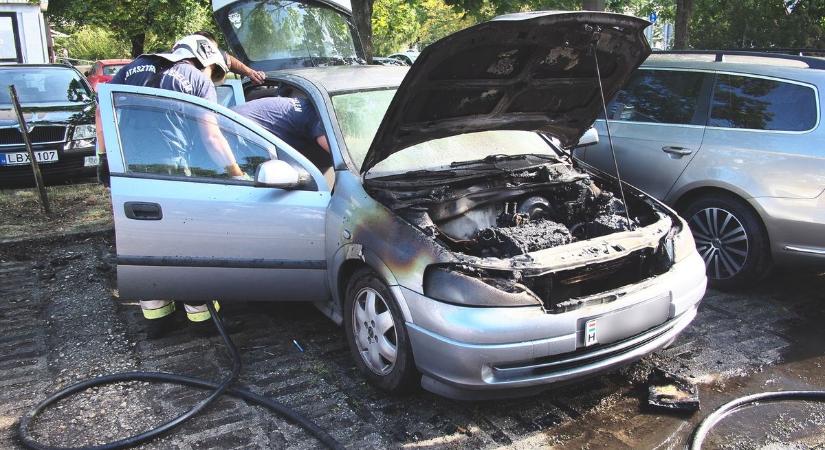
<point x="293" y="120"/>
<point x="178" y="77"/>
<point x="174" y="130"/>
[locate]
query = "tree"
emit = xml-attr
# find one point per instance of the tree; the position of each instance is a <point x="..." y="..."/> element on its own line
<point x="395" y="26"/>
<point x="134" y="20"/>
<point x="362" y="17"/>
<point x="684" y="9"/>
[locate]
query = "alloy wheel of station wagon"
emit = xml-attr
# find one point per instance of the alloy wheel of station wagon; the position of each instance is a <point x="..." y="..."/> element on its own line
<point x="721" y="240"/>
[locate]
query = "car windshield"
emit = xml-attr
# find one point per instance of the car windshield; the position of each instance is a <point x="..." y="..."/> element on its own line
<point x="36" y="85"/>
<point x="111" y="70"/>
<point x="360" y="114"/>
<point x="281" y="30"/>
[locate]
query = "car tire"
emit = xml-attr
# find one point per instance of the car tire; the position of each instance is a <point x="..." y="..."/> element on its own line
<point x="376" y="334"/>
<point x="730" y="238"/>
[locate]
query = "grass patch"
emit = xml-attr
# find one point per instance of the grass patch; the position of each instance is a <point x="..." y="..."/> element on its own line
<point x="75" y="208"/>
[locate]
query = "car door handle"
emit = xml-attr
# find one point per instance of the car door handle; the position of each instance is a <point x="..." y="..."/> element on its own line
<point x="143" y="211"/>
<point x="678" y="151"/>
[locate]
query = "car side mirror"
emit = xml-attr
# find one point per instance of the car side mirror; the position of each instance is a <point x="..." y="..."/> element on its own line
<point x="590" y="137"/>
<point x="279" y="174"/>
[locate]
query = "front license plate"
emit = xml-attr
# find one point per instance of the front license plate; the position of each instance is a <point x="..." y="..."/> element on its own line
<point x="90" y="161"/>
<point x="590" y="333"/>
<point x="20" y="158"/>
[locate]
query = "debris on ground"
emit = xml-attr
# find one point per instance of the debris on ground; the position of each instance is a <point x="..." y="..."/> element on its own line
<point x="671" y="392"/>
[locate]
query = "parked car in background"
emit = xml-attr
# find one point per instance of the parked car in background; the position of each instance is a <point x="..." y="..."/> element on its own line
<point x="460" y="247"/>
<point x="103" y="70"/>
<point x="59" y="111"/>
<point x="734" y="142"/>
<point x="382" y="61"/>
<point x="407" y="57"/>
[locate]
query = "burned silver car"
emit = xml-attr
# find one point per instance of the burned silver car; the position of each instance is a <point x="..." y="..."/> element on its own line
<point x="448" y="230"/>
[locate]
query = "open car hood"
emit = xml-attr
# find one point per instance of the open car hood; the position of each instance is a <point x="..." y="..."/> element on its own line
<point x="526" y="71"/>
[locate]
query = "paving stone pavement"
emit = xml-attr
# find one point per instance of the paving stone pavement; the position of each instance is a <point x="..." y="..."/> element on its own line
<point x="61" y="322"/>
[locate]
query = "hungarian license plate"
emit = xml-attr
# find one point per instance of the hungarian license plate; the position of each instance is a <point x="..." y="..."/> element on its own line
<point x="590" y="333"/>
<point x="20" y="158"/>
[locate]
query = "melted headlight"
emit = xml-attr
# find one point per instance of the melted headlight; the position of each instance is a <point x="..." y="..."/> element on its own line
<point x="454" y="285"/>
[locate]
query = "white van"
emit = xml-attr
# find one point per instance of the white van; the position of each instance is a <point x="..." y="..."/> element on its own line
<point x="23" y="32"/>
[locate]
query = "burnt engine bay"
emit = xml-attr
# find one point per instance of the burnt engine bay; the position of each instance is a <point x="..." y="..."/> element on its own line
<point x="501" y="211"/>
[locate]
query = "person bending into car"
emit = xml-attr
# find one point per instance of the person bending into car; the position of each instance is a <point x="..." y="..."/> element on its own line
<point x="294" y="120"/>
<point x="193" y="66"/>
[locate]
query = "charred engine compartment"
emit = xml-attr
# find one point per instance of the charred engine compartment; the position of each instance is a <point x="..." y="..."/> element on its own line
<point x="505" y="213"/>
<point x="547" y="218"/>
<point x="509" y="213"/>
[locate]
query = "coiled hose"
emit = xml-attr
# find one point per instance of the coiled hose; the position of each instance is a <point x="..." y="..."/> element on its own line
<point x="218" y="389"/>
<point x="704" y="427"/>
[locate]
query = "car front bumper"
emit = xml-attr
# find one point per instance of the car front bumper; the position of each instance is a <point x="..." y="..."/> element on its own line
<point x="478" y="353"/>
<point x="71" y="164"/>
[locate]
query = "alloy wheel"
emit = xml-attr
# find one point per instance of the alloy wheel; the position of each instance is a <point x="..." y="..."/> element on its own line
<point x="374" y="330"/>
<point x="721" y="240"/>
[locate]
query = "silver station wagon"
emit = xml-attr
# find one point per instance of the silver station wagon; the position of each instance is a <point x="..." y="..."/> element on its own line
<point x="734" y="142"/>
<point x="448" y="230"/>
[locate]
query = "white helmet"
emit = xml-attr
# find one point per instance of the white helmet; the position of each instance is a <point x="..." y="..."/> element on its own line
<point x="202" y="49"/>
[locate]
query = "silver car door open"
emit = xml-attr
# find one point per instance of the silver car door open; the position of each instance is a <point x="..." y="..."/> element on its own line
<point x="657" y="122"/>
<point x="230" y="93"/>
<point x="188" y="230"/>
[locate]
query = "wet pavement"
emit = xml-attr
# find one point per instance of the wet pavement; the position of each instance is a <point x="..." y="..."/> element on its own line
<point x="61" y="321"/>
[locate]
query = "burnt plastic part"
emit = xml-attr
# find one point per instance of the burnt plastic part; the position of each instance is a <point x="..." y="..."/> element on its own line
<point x="503" y="242"/>
<point x="452" y="286"/>
<point x="671" y="393"/>
<point x="560" y="291"/>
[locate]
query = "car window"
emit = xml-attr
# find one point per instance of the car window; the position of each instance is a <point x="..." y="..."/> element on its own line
<point x="659" y="96"/>
<point x="284" y="29"/>
<point x="111" y="70"/>
<point x="40" y="85"/>
<point x="360" y="114"/>
<point x="762" y="104"/>
<point x="169" y="137"/>
<point x="226" y="95"/>
<point x="8" y="38"/>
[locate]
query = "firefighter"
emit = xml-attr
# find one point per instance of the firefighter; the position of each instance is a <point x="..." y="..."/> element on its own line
<point x="193" y="67"/>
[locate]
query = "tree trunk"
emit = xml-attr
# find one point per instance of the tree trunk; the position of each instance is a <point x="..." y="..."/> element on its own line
<point x="362" y="13"/>
<point x="684" y="9"/>
<point x="593" y="5"/>
<point x="137" y="44"/>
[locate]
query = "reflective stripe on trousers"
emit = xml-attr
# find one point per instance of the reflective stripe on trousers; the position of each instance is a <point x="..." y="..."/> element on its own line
<point x="156" y="309"/>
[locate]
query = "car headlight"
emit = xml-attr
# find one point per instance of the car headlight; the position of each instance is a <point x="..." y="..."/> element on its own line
<point x="83" y="132"/>
<point x="465" y="287"/>
<point x="683" y="244"/>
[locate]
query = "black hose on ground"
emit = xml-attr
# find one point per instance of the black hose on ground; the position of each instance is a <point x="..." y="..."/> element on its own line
<point x="704" y="427"/>
<point x="218" y="389"/>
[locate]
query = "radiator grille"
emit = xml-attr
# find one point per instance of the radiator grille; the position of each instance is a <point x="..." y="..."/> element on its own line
<point x="39" y="135"/>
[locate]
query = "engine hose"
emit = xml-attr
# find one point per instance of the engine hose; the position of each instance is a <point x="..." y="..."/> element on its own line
<point x="218" y="389"/>
<point x="704" y="427"/>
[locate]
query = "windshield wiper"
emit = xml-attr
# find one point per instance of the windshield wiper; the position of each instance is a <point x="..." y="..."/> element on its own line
<point x="498" y="158"/>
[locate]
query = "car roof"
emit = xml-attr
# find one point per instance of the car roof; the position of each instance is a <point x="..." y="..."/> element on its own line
<point x="58" y="66"/>
<point x="770" y="67"/>
<point x="107" y="62"/>
<point x="336" y="79"/>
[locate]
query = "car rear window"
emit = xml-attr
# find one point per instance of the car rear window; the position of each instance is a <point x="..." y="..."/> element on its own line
<point x="111" y="70"/>
<point x="660" y="96"/>
<point x="762" y="104"/>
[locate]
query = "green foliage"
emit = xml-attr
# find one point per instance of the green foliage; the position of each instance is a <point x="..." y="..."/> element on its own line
<point x="395" y="26"/>
<point x="93" y="43"/>
<point x="134" y="20"/>
<point x="437" y="20"/>
<point x="757" y="23"/>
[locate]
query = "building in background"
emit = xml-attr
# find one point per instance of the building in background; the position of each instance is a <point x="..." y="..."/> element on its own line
<point x="24" y="36"/>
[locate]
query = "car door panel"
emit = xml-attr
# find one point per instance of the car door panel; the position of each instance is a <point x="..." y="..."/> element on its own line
<point x="657" y="124"/>
<point x="215" y="238"/>
<point x="641" y="153"/>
